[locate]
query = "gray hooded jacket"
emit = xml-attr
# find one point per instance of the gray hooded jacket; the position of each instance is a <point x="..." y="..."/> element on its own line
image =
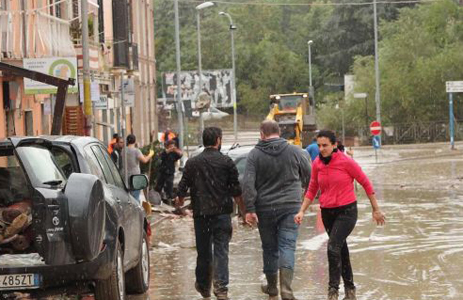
<point x="276" y="175"/>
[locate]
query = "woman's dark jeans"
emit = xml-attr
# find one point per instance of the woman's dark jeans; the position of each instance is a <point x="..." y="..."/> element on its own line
<point x="339" y="223"/>
<point x="213" y="234"/>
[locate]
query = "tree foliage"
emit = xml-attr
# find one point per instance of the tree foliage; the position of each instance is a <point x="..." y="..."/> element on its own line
<point x="271" y="46"/>
<point x="420" y="48"/>
<point x="419" y="52"/>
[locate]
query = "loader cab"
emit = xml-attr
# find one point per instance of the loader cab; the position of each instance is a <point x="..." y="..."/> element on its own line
<point x="288" y="102"/>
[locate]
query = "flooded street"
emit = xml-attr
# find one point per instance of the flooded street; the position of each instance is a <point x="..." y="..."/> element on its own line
<point x="417" y="255"/>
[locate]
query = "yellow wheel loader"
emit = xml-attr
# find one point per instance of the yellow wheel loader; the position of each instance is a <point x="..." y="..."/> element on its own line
<point x="295" y="116"/>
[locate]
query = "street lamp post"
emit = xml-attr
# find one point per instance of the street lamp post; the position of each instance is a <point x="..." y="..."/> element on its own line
<point x="200" y="70"/>
<point x="311" y="91"/>
<point x="233" y="87"/>
<point x="179" y="90"/>
<point x="365" y="97"/>
<point x="342" y="121"/>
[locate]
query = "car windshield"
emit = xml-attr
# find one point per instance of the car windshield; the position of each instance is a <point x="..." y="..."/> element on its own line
<point x="41" y="166"/>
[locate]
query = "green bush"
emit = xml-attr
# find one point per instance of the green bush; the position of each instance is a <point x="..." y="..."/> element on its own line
<point x="155" y="162"/>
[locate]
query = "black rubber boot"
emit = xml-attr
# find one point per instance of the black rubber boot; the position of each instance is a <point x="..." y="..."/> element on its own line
<point x="350" y="294"/>
<point x="271" y="288"/>
<point x="286" y="279"/>
<point x="221" y="295"/>
<point x="333" y="294"/>
<point x="204" y="293"/>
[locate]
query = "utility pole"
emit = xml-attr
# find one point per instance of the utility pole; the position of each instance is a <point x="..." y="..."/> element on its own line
<point x="233" y="85"/>
<point x="200" y="67"/>
<point x="377" y="93"/>
<point x="23" y="8"/>
<point x="86" y="68"/>
<point x="311" y="90"/>
<point x="123" y="127"/>
<point x="200" y="72"/>
<point x="179" y="90"/>
<point x="235" y="114"/>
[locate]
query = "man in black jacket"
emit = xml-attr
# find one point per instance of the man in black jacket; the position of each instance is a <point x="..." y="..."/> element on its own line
<point x="275" y="176"/>
<point x="116" y="154"/>
<point x="166" y="172"/>
<point x="213" y="180"/>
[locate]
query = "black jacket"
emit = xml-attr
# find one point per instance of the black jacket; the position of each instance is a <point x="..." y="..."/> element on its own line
<point x="117" y="159"/>
<point x="213" y="180"/>
<point x="168" y="162"/>
<point x="276" y="175"/>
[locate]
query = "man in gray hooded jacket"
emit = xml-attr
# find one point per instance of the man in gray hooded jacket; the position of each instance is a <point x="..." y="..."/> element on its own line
<point x="275" y="176"/>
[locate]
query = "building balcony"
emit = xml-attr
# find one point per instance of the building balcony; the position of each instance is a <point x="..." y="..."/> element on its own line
<point x="34" y="34"/>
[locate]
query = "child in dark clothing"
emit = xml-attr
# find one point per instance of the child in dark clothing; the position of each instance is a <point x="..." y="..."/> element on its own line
<point x="166" y="174"/>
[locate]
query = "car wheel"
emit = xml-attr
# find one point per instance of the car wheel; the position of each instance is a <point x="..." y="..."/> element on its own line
<point x="138" y="278"/>
<point x="113" y="288"/>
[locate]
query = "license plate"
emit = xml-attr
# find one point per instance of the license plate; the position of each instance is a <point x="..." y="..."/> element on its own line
<point x="19" y="281"/>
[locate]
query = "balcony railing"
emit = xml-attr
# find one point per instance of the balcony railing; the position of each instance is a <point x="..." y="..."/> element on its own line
<point x="45" y="35"/>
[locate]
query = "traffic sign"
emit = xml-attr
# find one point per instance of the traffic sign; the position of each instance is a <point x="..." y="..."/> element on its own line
<point x="376" y="142"/>
<point x="360" y="95"/>
<point x="375" y="128"/>
<point x="454" y="86"/>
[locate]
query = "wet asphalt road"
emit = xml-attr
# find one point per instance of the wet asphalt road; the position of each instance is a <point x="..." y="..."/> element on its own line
<point x="417" y="255"/>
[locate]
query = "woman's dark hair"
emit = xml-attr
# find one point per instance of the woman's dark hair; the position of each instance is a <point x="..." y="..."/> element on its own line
<point x="131" y="139"/>
<point x="327" y="134"/>
<point x="210" y="136"/>
<point x="170" y="142"/>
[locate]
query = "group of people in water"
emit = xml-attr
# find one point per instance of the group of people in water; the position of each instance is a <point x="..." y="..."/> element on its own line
<point x="271" y="197"/>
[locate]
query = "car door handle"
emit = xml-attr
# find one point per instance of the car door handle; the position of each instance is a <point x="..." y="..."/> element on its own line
<point x="118" y="200"/>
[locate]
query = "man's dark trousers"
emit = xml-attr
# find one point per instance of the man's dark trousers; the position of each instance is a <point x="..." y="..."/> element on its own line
<point x="213" y="234"/>
<point x="165" y="181"/>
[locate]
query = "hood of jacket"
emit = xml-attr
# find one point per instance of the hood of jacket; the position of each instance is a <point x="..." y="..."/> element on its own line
<point x="272" y="147"/>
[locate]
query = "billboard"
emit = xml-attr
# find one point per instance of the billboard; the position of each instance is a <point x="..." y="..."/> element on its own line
<point x="62" y="67"/>
<point x="215" y="82"/>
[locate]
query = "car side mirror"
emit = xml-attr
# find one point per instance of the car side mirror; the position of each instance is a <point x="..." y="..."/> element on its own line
<point x="138" y="182"/>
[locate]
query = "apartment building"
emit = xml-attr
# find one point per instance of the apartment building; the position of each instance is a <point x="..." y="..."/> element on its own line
<point x="30" y="30"/>
<point x="129" y="50"/>
<point x="47" y="32"/>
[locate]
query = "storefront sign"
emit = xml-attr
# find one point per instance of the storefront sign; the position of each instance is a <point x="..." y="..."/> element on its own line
<point x="62" y="67"/>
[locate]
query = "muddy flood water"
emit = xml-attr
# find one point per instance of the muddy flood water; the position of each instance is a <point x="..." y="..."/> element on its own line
<point x="417" y="255"/>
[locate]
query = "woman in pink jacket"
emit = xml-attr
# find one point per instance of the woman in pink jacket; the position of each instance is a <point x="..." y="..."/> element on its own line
<point x="333" y="173"/>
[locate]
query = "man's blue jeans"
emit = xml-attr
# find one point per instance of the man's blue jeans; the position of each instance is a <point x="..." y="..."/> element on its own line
<point x="278" y="233"/>
<point x="213" y="234"/>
